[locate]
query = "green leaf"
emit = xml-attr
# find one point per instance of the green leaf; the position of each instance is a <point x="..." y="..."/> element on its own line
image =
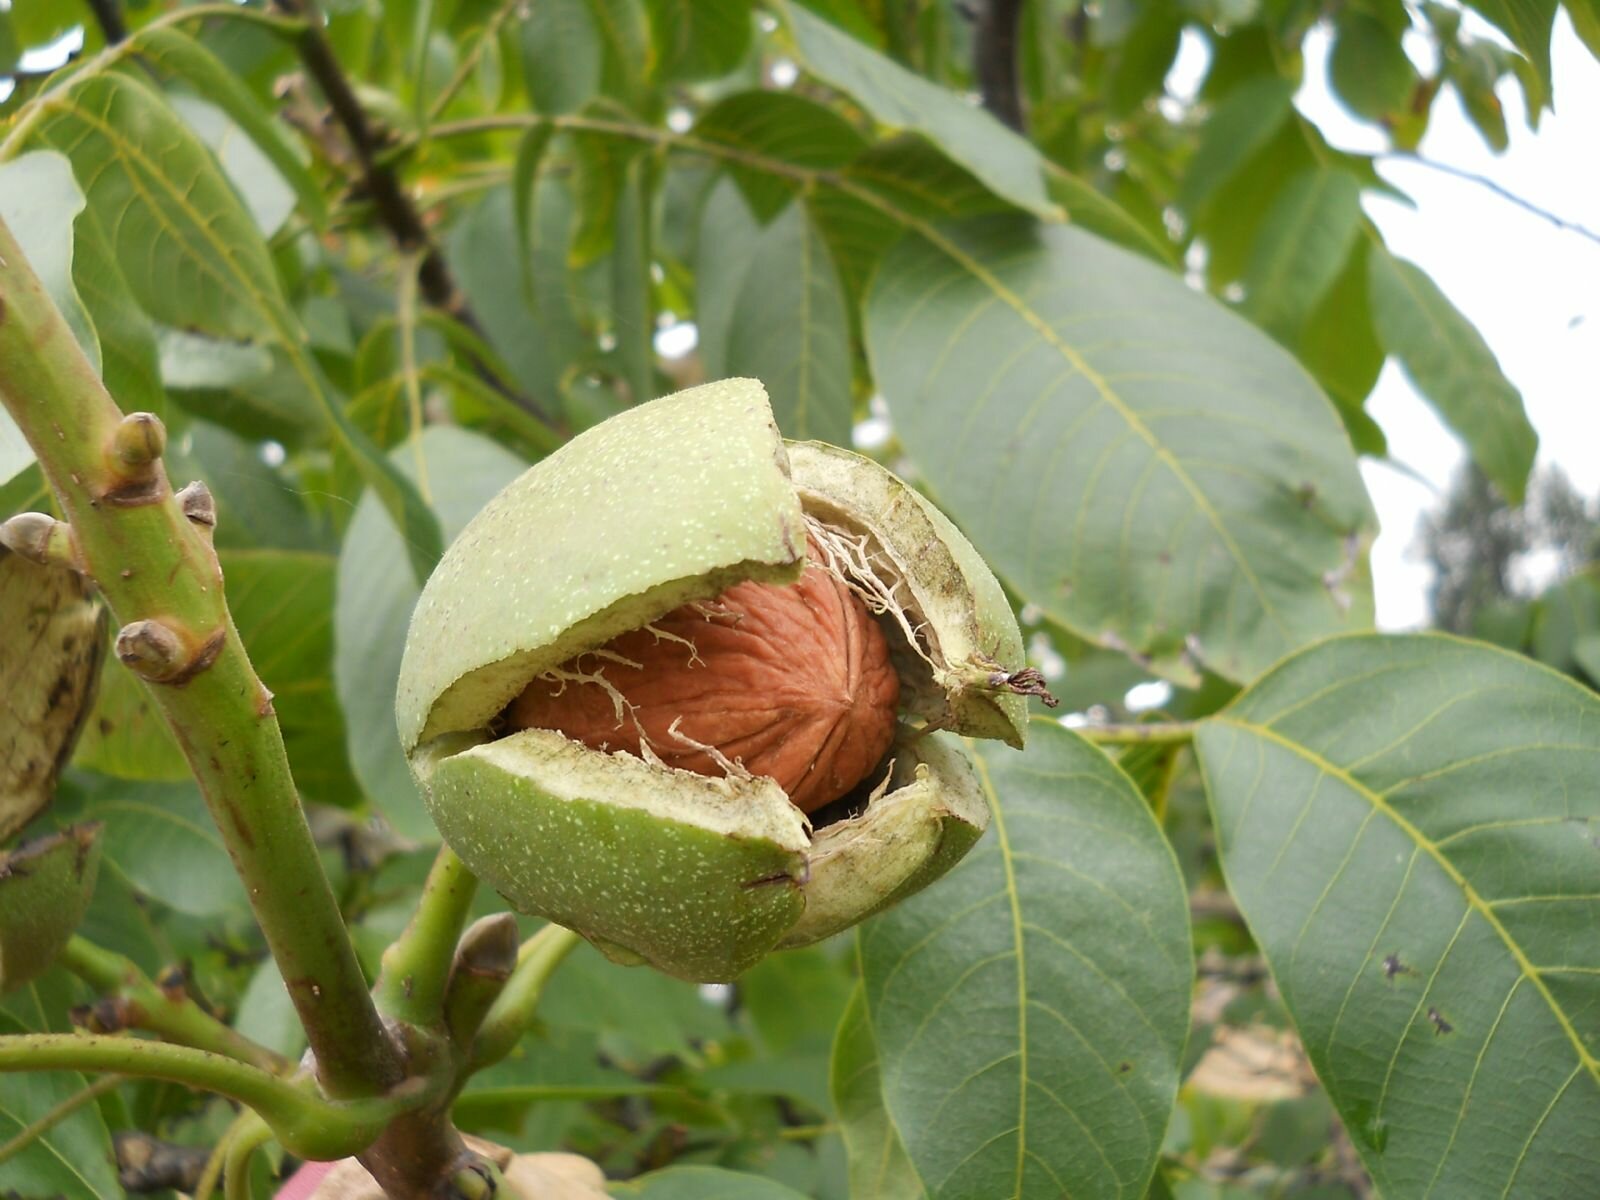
<point x="879" y="1167"/>
<point x="781" y="315"/>
<point x="1300" y="248"/>
<point x="1230" y="219"/>
<point x="642" y="1014"/>
<point x="266" y="195"/>
<point x="1091" y="209"/>
<point x="192" y="255"/>
<point x="1339" y="346"/>
<point x="1528" y="24"/>
<point x="1586" y="653"/>
<point x="10" y="48"/>
<point x="160" y="839"/>
<point x="561" y="55"/>
<point x="1031" y="1010"/>
<point x="537" y="335"/>
<point x="577" y="49"/>
<point x="525" y="170"/>
<point x="1563" y="617"/>
<point x="129" y="364"/>
<point x="1453" y="367"/>
<point x="698" y="39"/>
<point x="72" y="1158"/>
<point x="282" y="604"/>
<point x="1243" y="123"/>
<point x="703" y="1183"/>
<point x="767" y="992"/>
<point x="728" y="235"/>
<point x="1367" y="67"/>
<point x="1147" y="468"/>
<point x="891" y="186"/>
<point x="258" y="506"/>
<point x="783" y="129"/>
<point x="1409" y="826"/>
<point x="1585" y="16"/>
<point x="267" y="1015"/>
<point x="39" y="199"/>
<point x="372" y="608"/>
<point x="1007" y="164"/>
<point x="1476" y="69"/>
<point x="632" y="322"/>
<point x="1143" y="58"/>
<point x="180" y="56"/>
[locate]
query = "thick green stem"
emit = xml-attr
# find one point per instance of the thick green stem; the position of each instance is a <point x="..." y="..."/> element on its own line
<point x="141" y="1004"/>
<point x="416" y="966"/>
<point x="306" y="1125"/>
<point x="159" y="575"/>
<point x="249" y="1137"/>
<point x="513" y="1009"/>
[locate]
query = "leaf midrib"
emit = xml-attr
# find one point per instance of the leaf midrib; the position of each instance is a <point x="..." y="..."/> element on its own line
<point x="1113" y="401"/>
<point x="1474" y="900"/>
<point x="1015" y="901"/>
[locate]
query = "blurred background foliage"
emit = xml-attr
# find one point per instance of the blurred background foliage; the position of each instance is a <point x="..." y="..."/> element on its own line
<point x="363" y="300"/>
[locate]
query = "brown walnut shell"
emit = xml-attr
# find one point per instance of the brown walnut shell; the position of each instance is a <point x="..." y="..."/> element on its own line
<point x="793" y="682"/>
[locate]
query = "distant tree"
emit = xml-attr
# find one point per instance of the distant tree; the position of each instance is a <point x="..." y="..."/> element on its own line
<point x="1476" y="541"/>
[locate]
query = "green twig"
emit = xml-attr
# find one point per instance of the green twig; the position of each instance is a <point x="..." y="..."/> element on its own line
<point x="153" y="562"/>
<point x="1506" y="194"/>
<point x="141" y="1004"/>
<point x="37" y="1129"/>
<point x="416" y="966"/>
<point x="207" y="1183"/>
<point x="806" y="1133"/>
<point x="511" y="1012"/>
<point x="392" y="203"/>
<point x="1165" y="732"/>
<point x="249" y="1137"/>
<point x="306" y="1125"/>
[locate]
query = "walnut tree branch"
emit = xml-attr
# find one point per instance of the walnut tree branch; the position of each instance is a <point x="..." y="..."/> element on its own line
<point x="108" y="13"/>
<point x="150" y="554"/>
<point x="393" y="206"/>
<point x="994" y="58"/>
<point x="138" y="1002"/>
<point x="1504" y="193"/>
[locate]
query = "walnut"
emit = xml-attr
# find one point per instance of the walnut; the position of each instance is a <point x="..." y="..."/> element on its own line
<point x="790" y="682"/>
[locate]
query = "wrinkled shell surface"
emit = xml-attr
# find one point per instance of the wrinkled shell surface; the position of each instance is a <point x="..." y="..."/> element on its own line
<point x="949" y="590"/>
<point x="791" y="682"/>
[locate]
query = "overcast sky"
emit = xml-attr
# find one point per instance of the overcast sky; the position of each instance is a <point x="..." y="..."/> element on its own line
<point x="1533" y="290"/>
